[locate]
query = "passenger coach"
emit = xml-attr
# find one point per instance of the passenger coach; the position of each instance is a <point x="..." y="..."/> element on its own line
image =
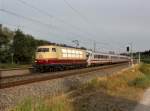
<point x="98" y="58"/>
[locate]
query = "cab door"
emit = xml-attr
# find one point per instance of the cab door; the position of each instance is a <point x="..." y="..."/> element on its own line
<point x="53" y="53"/>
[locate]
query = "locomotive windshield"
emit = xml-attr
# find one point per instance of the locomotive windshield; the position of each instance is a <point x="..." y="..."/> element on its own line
<point x="43" y="50"/>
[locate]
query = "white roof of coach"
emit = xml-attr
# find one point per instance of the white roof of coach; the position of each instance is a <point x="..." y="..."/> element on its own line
<point x="103" y="53"/>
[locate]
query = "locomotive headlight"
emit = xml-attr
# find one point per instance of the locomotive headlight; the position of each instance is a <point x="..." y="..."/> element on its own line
<point x="35" y="61"/>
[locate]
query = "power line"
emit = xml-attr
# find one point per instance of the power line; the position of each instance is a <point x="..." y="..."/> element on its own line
<point x="75" y="10"/>
<point x="24" y="17"/>
<point x="54" y="33"/>
<point x="46" y="13"/>
<point x="37" y="21"/>
<point x="84" y="18"/>
<point x="51" y="16"/>
<point x="33" y="20"/>
<point x="15" y="14"/>
<point x="33" y="7"/>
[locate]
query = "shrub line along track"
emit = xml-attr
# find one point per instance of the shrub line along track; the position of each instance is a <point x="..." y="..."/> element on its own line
<point x="26" y="79"/>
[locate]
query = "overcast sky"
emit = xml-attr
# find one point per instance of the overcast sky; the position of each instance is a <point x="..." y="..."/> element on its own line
<point x="111" y="23"/>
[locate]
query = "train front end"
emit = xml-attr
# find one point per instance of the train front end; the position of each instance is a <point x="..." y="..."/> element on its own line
<point x="44" y="56"/>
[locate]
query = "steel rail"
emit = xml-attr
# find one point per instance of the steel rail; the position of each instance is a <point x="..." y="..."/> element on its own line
<point x="55" y="75"/>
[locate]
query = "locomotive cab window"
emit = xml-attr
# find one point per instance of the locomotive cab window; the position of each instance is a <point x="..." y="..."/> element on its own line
<point x="53" y="49"/>
<point x="43" y="50"/>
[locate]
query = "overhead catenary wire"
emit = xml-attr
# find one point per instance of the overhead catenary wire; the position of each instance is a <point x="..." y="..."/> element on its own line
<point x="30" y="19"/>
<point x="47" y="14"/>
<point x="45" y="33"/>
<point x="48" y="25"/>
<point x="58" y="19"/>
<point x="33" y="20"/>
<point x="84" y="18"/>
<point x="24" y="17"/>
<point x="36" y="8"/>
<point x="75" y="10"/>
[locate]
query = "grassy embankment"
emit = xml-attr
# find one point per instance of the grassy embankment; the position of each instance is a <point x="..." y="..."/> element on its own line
<point x="144" y="80"/>
<point x="119" y="92"/>
<point x="59" y="103"/>
<point x="9" y="66"/>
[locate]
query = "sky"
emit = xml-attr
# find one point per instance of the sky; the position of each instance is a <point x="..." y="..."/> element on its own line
<point x="111" y="24"/>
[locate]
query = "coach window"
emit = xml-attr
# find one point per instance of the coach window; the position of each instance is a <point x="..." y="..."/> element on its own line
<point x="53" y="49"/>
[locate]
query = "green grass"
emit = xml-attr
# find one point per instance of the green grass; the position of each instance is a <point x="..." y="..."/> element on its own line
<point x="9" y="66"/>
<point x="30" y="105"/>
<point x="94" y="83"/>
<point x="146" y="61"/>
<point x="144" y="80"/>
<point x="145" y="68"/>
<point x="49" y="104"/>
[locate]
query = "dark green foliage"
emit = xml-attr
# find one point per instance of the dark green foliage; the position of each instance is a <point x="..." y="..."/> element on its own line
<point x="145" y="56"/>
<point x="3" y="40"/>
<point x="145" y="68"/>
<point x="5" y="56"/>
<point x="41" y="42"/>
<point x="147" y="60"/>
<point x="23" y="47"/>
<point x="143" y="81"/>
<point x="5" y="43"/>
<point x="18" y="44"/>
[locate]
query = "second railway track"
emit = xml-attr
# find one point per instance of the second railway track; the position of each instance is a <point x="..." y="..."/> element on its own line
<point x="31" y="78"/>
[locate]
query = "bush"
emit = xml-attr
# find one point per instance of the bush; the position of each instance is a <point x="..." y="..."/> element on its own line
<point x="143" y="81"/>
<point x="145" y="68"/>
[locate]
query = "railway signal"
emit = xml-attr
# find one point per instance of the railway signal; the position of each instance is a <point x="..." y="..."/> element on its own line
<point x="128" y="48"/>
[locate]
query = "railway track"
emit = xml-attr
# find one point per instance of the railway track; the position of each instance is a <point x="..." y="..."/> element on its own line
<point x="7" y="82"/>
<point x="13" y="72"/>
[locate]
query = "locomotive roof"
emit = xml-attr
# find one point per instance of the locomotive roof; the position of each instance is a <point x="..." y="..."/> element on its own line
<point x="61" y="46"/>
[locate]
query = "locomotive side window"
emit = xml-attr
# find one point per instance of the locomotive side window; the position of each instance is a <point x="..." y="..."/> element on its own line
<point x="43" y="50"/>
<point x="53" y="49"/>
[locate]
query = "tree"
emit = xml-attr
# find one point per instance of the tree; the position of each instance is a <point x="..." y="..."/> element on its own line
<point x="42" y="42"/>
<point x="23" y="47"/>
<point x="5" y="37"/>
<point x="4" y="40"/>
